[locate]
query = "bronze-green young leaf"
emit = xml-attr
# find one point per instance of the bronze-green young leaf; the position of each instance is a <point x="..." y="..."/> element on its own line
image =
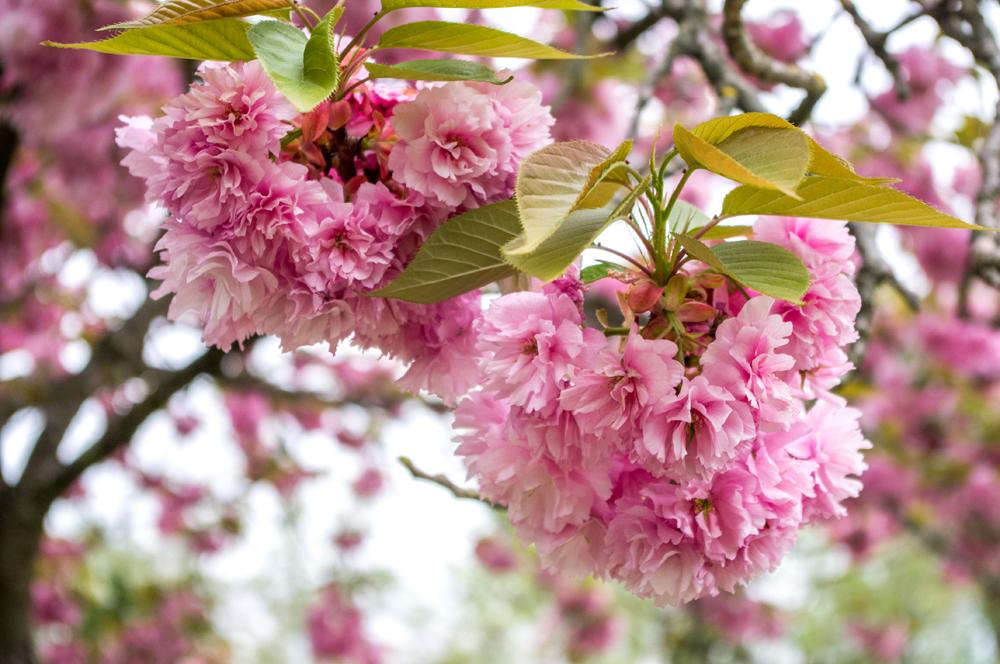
<point x="463" y="39"/>
<point x="436" y="70"/>
<point x="761" y="156"/>
<point x="822" y="161"/>
<point x="282" y="50"/>
<point x="834" y="198"/>
<point x="461" y="255"/>
<point x="557" y="252"/>
<point x="556" y="180"/>
<point x="179" y="12"/>
<point x="572" y="5"/>
<point x="224" y="40"/>
<point x="762" y="266"/>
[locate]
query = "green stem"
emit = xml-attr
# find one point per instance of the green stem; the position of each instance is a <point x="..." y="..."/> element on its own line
<point x="361" y="35"/>
<point x="710" y="225"/>
<point x="302" y="17"/>
<point x="616" y="331"/>
<point x="660" y="230"/>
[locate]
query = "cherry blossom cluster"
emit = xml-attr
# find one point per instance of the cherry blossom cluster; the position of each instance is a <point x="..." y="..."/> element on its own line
<point x="680" y="459"/>
<point x="281" y="223"/>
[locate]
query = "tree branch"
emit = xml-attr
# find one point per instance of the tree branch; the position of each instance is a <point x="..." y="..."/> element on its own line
<point x="876" y="42"/>
<point x="753" y="61"/>
<point x="965" y="25"/>
<point x="695" y="40"/>
<point x="55" y="479"/>
<point x="441" y="480"/>
<point x="116" y="358"/>
<point x="873" y="273"/>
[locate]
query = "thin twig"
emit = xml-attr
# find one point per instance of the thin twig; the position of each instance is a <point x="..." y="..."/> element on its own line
<point x="876" y="42"/>
<point x="441" y="480"/>
<point x="873" y="273"/>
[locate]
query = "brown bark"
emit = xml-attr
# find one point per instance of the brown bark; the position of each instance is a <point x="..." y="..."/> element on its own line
<point x="20" y="533"/>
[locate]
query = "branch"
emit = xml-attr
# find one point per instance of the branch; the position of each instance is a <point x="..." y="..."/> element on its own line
<point x="441" y="480"/>
<point x="695" y="40"/>
<point x="753" y="61"/>
<point x="667" y="9"/>
<point x="116" y="358"/>
<point x="56" y="478"/>
<point x="965" y="25"/>
<point x="876" y="42"/>
<point x="873" y="273"/>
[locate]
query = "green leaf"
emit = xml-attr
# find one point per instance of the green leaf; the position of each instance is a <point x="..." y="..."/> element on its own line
<point x="282" y="50"/>
<point x="557" y="252"/>
<point x="761" y="156"/>
<point x="592" y="273"/>
<point x="179" y="12"/>
<point x="461" y="255"/>
<point x="762" y="266"/>
<point x="726" y="232"/>
<point x="436" y="70"/>
<point x="463" y="39"/>
<point x="573" y="5"/>
<point x="822" y="162"/>
<point x="556" y="180"/>
<point x="766" y="268"/>
<point x="833" y="198"/>
<point x="224" y="40"/>
<point x="686" y="218"/>
<point x="320" y="63"/>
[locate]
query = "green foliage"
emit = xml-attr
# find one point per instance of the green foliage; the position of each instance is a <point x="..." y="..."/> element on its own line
<point x="436" y="70"/>
<point x="761" y="156"/>
<point x="463" y="39"/>
<point x="576" y="232"/>
<point x="303" y="69"/>
<point x="573" y="5"/>
<point x="592" y="273"/>
<point x="460" y="256"/>
<point x="834" y="198"/>
<point x="223" y="39"/>
<point x="179" y="12"/>
<point x="762" y="266"/>
<point x="557" y="180"/>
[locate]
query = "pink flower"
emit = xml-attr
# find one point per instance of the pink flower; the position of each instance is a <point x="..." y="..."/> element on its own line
<point x="461" y="143"/>
<point x="695" y="435"/>
<point x="830" y="437"/>
<point x="336" y="630"/>
<point x="623" y="386"/>
<point x="529" y="342"/>
<point x="238" y="107"/>
<point x="742" y="359"/>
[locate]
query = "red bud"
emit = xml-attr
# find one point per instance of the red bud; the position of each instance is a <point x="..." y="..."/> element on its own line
<point x="694" y="312"/>
<point x="644" y="296"/>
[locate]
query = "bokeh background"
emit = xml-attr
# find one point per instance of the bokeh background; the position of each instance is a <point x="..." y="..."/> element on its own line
<point x="256" y="511"/>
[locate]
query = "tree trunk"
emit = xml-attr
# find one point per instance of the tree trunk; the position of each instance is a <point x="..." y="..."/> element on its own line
<point x="20" y="534"/>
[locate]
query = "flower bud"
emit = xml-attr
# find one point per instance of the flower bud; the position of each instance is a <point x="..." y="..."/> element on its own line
<point x="694" y="312"/>
<point x="676" y="289"/>
<point x="643" y="296"/>
<point x="709" y="280"/>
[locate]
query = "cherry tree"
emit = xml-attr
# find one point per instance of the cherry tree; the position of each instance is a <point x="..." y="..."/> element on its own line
<point x="669" y="418"/>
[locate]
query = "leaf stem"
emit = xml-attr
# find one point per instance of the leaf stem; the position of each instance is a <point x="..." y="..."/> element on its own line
<point x="710" y="225"/>
<point x="302" y="17"/>
<point x="361" y="35"/>
<point x="616" y="331"/>
<point x="660" y="231"/>
<point x="623" y="256"/>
